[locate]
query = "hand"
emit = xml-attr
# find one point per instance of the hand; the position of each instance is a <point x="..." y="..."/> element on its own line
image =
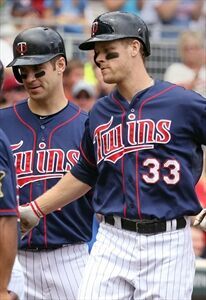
<point x="28" y="218"/>
<point x="200" y="219"/>
<point x="13" y="296"/>
<point x="5" y="295"/>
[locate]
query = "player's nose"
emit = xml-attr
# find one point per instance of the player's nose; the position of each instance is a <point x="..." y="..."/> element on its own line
<point x="99" y="58"/>
<point x="29" y="76"/>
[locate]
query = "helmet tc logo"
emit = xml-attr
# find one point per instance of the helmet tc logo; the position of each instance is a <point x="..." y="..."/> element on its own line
<point x="94" y="28"/>
<point x="21" y="48"/>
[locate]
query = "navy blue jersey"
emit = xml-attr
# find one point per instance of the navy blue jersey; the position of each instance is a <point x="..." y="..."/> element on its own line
<point x="44" y="150"/>
<point x="145" y="156"/>
<point x="8" y="200"/>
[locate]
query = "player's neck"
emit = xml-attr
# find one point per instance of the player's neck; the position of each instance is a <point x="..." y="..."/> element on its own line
<point x="128" y="88"/>
<point x="47" y="107"/>
<point x="136" y="79"/>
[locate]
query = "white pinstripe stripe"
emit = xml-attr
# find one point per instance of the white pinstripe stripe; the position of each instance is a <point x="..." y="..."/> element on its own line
<point x="155" y="266"/>
<point x="110" y="269"/>
<point x="61" y="280"/>
<point x="126" y="265"/>
<point x="169" y="269"/>
<point x="16" y="283"/>
<point x="44" y="280"/>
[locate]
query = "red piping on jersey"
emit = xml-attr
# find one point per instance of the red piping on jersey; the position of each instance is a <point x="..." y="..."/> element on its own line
<point x="137" y="154"/>
<point x="122" y="159"/>
<point x="154" y="96"/>
<point x="33" y="150"/>
<point x="45" y="181"/>
<point x="60" y="125"/>
<point x="9" y="210"/>
<point x="137" y="187"/>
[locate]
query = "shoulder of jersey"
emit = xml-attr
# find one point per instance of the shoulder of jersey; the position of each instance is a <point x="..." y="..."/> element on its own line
<point x="100" y="101"/>
<point x="3" y="138"/>
<point x="76" y="109"/>
<point x="180" y="92"/>
<point x="20" y="103"/>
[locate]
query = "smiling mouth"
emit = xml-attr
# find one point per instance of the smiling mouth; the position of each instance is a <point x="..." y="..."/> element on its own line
<point x="34" y="88"/>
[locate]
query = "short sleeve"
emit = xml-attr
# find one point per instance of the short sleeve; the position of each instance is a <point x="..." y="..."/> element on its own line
<point x="86" y="170"/>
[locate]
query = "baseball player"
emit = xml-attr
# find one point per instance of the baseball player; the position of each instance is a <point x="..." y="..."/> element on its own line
<point x="8" y="213"/>
<point x="45" y="132"/>
<point x="142" y="149"/>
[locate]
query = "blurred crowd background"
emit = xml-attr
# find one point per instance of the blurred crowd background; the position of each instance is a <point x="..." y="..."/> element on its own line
<point x="177" y="34"/>
<point x="178" y="46"/>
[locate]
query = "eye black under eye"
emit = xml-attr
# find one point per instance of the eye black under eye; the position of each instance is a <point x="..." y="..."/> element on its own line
<point x="37" y="74"/>
<point x="112" y="55"/>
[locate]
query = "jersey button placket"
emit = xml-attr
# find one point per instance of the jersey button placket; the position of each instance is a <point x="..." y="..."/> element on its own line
<point x="129" y="160"/>
<point x="42" y="129"/>
<point x="131" y="116"/>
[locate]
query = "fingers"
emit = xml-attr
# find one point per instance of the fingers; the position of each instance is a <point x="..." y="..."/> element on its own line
<point x="24" y="230"/>
<point x="24" y="223"/>
<point x="5" y="295"/>
<point x="200" y="219"/>
<point x="26" y="227"/>
<point x="13" y="296"/>
<point x="28" y="219"/>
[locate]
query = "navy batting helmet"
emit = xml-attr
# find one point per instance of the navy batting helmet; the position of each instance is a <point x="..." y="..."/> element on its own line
<point x="117" y="25"/>
<point x="36" y="46"/>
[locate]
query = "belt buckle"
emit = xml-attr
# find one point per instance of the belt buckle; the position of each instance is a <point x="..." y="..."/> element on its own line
<point x="144" y="227"/>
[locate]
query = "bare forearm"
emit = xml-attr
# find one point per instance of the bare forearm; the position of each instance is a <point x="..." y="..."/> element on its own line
<point x="8" y="249"/>
<point x="68" y="189"/>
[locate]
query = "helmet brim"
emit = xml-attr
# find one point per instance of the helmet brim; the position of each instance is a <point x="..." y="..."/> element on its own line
<point x="31" y="60"/>
<point x="90" y="43"/>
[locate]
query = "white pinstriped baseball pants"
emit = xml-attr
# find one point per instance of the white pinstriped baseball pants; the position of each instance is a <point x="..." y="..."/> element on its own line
<point x="125" y="265"/>
<point x="55" y="274"/>
<point x="16" y="283"/>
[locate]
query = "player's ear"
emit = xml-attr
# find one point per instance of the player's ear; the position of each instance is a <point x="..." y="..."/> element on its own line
<point x="61" y="64"/>
<point x="135" y="47"/>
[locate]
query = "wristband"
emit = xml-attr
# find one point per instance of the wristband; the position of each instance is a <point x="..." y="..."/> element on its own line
<point x="36" y="209"/>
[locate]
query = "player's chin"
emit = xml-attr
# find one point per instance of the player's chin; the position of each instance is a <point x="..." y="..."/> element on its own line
<point x="109" y="79"/>
<point x="35" y="91"/>
<point x="37" y="97"/>
<point x="38" y="93"/>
